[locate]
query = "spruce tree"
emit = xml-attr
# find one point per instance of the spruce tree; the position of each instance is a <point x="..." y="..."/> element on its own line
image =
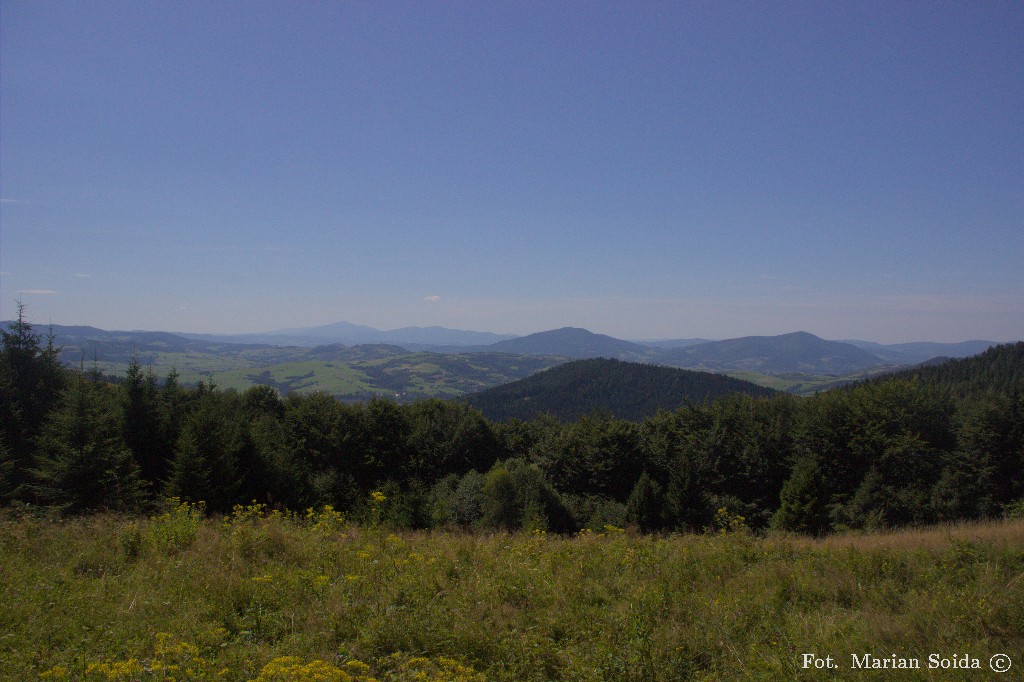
<point x="804" y="500"/>
<point x="687" y="503"/>
<point x="205" y="466"/>
<point x="6" y="472"/>
<point x="141" y="422"/>
<point x="83" y="463"/>
<point x="172" y="405"/>
<point x="31" y="380"/>
<point x="644" y="507"/>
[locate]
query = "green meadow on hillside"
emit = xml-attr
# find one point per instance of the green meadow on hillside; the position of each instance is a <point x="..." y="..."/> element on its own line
<point x="346" y="373"/>
<point x="446" y="564"/>
<point x="337" y="379"/>
<point x="258" y="596"/>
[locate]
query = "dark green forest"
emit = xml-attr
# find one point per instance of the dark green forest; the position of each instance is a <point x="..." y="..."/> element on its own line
<point x="997" y="371"/>
<point x="625" y="389"/>
<point x="936" y="444"/>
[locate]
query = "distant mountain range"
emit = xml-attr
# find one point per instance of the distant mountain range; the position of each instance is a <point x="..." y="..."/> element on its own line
<point x="914" y="353"/>
<point x="627" y="390"/>
<point x="354" y="335"/>
<point x="81" y="343"/>
<point x="796" y="352"/>
<point x="784" y="361"/>
<point x="567" y="372"/>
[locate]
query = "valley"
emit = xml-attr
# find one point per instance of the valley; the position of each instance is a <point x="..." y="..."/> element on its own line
<point x="413" y="363"/>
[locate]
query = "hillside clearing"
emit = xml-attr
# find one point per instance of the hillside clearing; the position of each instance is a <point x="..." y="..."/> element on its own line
<point x="259" y="596"/>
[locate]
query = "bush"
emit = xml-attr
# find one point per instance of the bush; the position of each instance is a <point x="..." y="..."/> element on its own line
<point x="176" y="529"/>
<point x="1014" y="510"/>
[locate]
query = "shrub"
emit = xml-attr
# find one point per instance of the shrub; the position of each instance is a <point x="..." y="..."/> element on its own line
<point x="176" y="529"/>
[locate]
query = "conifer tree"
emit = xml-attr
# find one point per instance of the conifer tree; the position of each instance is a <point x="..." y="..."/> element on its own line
<point x="31" y="379"/>
<point x="644" y="506"/>
<point x="141" y="422"/>
<point x="205" y="466"/>
<point x="804" y="500"/>
<point x="6" y="472"/>
<point x="687" y="502"/>
<point x="172" y="405"/>
<point x="84" y="464"/>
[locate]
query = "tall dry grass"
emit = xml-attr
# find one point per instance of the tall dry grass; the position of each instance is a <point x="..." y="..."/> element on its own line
<point x="1002" y="534"/>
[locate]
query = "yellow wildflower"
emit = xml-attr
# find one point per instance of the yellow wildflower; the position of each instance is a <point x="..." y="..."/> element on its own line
<point x="58" y="672"/>
<point x="292" y="669"/>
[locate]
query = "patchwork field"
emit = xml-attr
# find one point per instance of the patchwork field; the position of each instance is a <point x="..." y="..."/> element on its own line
<point x="337" y="379"/>
<point x="354" y="373"/>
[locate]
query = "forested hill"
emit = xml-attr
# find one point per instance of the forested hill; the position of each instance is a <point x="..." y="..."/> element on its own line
<point x="796" y="352"/>
<point x="627" y="390"/>
<point x="571" y="342"/>
<point x="999" y="370"/>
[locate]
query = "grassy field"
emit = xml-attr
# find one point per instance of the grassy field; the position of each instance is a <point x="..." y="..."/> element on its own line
<point x="338" y="379"/>
<point x="356" y="373"/>
<point x="270" y="597"/>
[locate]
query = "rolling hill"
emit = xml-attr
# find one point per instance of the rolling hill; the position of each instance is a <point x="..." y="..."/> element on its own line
<point x="796" y="352"/>
<point x="627" y="390"/>
<point x="346" y="372"/>
<point x="999" y="370"/>
<point x="572" y="342"/>
<point x="798" y="362"/>
<point x="79" y="343"/>
<point x="917" y="352"/>
<point x="355" y="334"/>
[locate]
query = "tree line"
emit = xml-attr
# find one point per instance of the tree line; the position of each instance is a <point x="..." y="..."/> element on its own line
<point x="878" y="454"/>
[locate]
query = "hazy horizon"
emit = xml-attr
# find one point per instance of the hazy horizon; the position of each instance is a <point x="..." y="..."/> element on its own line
<point x="645" y="171"/>
<point x="41" y="328"/>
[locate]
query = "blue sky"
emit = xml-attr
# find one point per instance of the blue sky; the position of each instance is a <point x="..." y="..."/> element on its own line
<point x="645" y="170"/>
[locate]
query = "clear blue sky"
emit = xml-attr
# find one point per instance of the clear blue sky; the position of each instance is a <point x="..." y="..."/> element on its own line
<point x="641" y="169"/>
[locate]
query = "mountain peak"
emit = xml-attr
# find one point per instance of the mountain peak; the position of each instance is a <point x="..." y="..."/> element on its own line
<point x="572" y="342"/>
<point x="793" y="352"/>
<point x="627" y="390"/>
